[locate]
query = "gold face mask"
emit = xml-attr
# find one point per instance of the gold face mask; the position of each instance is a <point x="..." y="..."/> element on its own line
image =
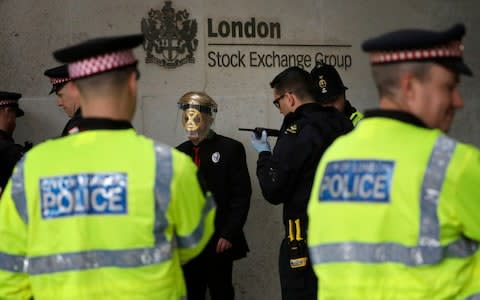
<point x="192" y="119"/>
<point x="197" y="118"/>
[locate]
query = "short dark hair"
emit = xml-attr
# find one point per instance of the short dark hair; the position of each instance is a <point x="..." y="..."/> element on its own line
<point x="294" y="80"/>
<point x="113" y="79"/>
<point x="57" y="87"/>
<point x="387" y="77"/>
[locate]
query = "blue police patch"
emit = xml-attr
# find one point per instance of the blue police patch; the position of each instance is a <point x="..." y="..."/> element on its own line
<point x="357" y="181"/>
<point x="83" y="194"/>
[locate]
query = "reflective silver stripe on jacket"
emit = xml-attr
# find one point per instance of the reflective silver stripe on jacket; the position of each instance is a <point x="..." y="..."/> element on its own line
<point x="98" y="259"/>
<point x="428" y="249"/>
<point x="8" y="262"/>
<point x="163" y="179"/>
<point x="194" y="238"/>
<point x="389" y="252"/>
<point x="125" y="258"/>
<point x="12" y="263"/>
<point x="18" y="190"/>
<point x="431" y="188"/>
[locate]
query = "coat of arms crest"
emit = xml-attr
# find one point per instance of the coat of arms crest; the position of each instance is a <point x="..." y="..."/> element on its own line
<point x="169" y="37"/>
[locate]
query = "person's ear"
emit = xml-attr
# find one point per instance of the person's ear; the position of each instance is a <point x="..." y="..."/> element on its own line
<point x="132" y="83"/>
<point x="72" y="89"/>
<point x="291" y="99"/>
<point x="409" y="87"/>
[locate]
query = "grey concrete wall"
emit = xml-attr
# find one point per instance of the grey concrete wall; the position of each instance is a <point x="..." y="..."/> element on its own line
<point x="31" y="30"/>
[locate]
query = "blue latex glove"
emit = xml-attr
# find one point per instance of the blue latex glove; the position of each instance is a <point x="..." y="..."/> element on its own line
<point x="260" y="144"/>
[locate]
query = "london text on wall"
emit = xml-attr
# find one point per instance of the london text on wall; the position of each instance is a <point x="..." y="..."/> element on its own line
<point x="257" y="43"/>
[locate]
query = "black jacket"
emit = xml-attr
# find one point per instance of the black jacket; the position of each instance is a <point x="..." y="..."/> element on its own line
<point x="74" y="122"/>
<point x="10" y="154"/>
<point x="349" y="110"/>
<point x="286" y="175"/>
<point x="223" y="166"/>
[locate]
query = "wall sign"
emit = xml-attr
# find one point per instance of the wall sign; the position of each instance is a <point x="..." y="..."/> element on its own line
<point x="170" y="37"/>
<point x="228" y="47"/>
<point x="251" y="42"/>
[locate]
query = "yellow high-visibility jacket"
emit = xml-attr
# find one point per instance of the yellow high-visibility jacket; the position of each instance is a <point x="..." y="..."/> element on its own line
<point x="102" y="214"/>
<point x="394" y="213"/>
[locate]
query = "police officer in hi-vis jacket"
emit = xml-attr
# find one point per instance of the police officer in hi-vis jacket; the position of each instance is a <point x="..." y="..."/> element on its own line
<point x="394" y="210"/>
<point x="117" y="221"/>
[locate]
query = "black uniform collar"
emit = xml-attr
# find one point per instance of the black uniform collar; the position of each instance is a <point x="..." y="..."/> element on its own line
<point x="101" y="123"/>
<point x="348" y="109"/>
<point x="397" y="115"/>
<point x="307" y="108"/>
<point x="5" y="136"/>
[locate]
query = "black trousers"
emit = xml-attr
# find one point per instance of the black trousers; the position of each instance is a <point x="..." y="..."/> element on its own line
<point x="212" y="271"/>
<point x="297" y="284"/>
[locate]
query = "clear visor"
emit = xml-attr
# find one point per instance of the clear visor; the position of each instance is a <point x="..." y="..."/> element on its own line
<point x="210" y="110"/>
<point x="196" y="119"/>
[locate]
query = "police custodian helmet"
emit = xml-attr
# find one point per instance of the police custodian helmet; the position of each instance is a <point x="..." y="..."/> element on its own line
<point x="8" y="99"/>
<point x="58" y="77"/>
<point x="410" y="45"/>
<point x="99" y="55"/>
